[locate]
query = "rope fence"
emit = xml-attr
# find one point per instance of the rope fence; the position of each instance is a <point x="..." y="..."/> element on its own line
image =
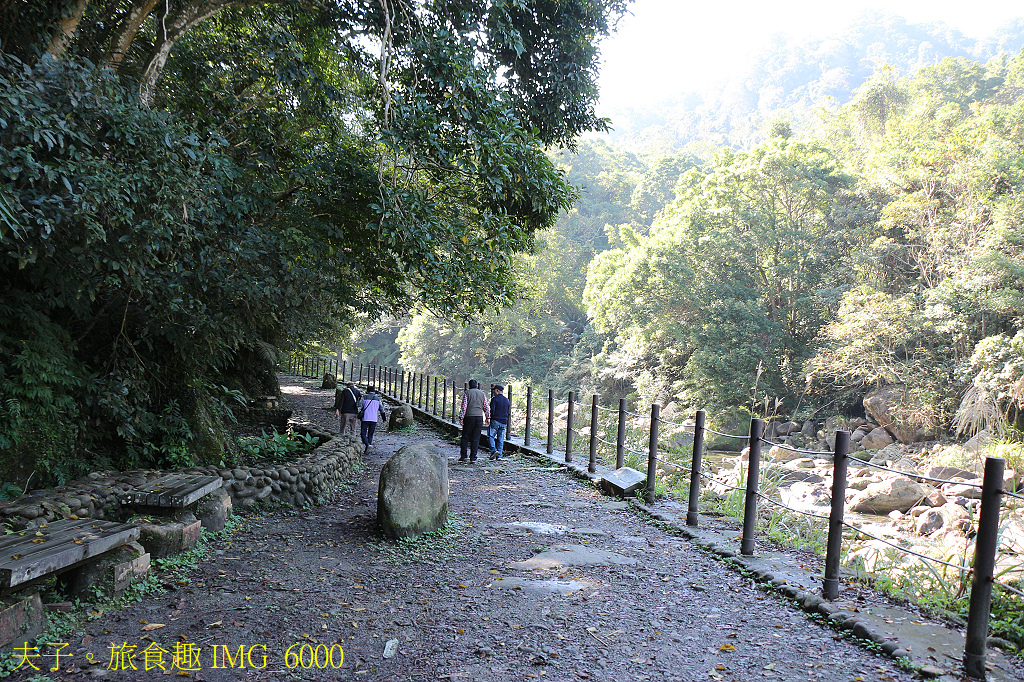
<point x="564" y="423"/>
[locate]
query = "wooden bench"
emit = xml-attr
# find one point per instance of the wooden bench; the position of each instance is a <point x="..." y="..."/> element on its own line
<point x="173" y="491"/>
<point x="56" y="547"/>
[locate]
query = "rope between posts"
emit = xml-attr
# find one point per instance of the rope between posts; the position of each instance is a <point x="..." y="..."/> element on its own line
<point x="918" y="476"/>
<point x="726" y="435"/>
<point x="672" y="464"/>
<point x="784" y="446"/>
<point x="785" y="506"/>
<point x="608" y="409"/>
<point x="672" y="423"/>
<point x="634" y="414"/>
<point x="962" y="569"/>
<point x="1008" y="588"/>
<point x="1007" y="492"/>
<point x="711" y="477"/>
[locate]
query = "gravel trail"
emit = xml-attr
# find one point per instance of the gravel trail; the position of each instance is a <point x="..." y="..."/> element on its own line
<point x="460" y="605"/>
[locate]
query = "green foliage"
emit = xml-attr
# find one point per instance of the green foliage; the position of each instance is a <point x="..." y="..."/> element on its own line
<point x="293" y="170"/>
<point x="275" y="448"/>
<point x="736" y="275"/>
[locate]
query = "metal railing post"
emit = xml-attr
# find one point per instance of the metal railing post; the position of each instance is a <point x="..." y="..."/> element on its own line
<point x="652" y="453"/>
<point x="695" y="466"/>
<point x="444" y="397"/>
<point x="753" y="475"/>
<point x="985" y="546"/>
<point x="620" y="436"/>
<point x="568" y="427"/>
<point x="592" y="466"/>
<point x="529" y="415"/>
<point x="834" y="544"/>
<point x="551" y="421"/>
<point x="435" y="396"/>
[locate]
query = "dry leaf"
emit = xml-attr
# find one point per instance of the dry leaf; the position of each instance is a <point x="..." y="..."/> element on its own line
<point x="727" y="647"/>
<point x="153" y="626"/>
<point x="215" y="624"/>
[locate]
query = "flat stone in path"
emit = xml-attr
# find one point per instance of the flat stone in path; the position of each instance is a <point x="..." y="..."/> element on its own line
<point x="544" y="587"/>
<point x="561" y="556"/>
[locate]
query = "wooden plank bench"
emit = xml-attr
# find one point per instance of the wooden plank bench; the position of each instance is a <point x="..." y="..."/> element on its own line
<point x="173" y="491"/>
<point x="58" y="546"/>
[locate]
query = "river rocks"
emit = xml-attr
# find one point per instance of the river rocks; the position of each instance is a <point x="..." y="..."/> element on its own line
<point x="891" y="407"/>
<point x="947" y="517"/>
<point x="412" y="498"/>
<point x="780" y="454"/>
<point x="876" y="439"/>
<point x="807" y="496"/>
<point x="887" y="495"/>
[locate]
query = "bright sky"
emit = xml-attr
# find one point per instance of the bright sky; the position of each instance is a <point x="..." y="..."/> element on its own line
<point x="668" y="46"/>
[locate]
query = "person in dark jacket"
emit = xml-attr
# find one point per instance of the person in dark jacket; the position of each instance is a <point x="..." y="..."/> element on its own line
<point x="471" y="416"/>
<point x="500" y="409"/>
<point x="346" y="401"/>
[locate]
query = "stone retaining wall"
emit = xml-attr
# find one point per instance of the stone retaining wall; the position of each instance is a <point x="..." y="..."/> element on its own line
<point x="305" y="480"/>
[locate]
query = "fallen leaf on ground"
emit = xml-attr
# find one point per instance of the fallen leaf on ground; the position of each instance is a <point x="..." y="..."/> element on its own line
<point x="153" y="626"/>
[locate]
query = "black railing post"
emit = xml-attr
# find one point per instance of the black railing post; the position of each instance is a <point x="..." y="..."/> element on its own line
<point x="592" y="466"/>
<point x="568" y="427"/>
<point x="551" y="421"/>
<point x="695" y="466"/>
<point x="529" y="415"/>
<point x="360" y="373"/>
<point x="508" y="394"/>
<point x="435" y="396"/>
<point x="985" y="546"/>
<point x="652" y="453"/>
<point x="620" y="436"/>
<point x="753" y="476"/>
<point x="834" y="544"/>
<point x="444" y="397"/>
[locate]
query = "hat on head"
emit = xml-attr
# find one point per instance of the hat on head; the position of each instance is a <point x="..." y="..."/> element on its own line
<point x="499" y="387"/>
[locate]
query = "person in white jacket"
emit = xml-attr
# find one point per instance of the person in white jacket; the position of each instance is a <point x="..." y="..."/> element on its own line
<point x="370" y="411"/>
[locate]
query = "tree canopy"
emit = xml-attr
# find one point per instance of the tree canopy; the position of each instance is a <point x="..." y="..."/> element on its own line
<point x="187" y="185"/>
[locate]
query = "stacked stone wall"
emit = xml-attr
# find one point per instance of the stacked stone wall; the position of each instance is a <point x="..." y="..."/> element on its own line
<point x="305" y="480"/>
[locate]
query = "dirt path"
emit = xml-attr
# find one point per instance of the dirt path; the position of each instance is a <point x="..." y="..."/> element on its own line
<point x="458" y="606"/>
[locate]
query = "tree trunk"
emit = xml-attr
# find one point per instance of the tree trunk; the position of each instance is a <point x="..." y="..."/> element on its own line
<point x="66" y="29"/>
<point x="127" y="31"/>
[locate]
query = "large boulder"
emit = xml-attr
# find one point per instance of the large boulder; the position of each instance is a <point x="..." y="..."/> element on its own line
<point x="876" y="439"/>
<point x="899" y="413"/>
<point x="412" y="498"/>
<point x="401" y="417"/>
<point x="330" y="382"/>
<point x="891" y="494"/>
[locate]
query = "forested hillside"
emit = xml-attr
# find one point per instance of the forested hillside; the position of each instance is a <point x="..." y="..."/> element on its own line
<point x="881" y="248"/>
<point x="792" y="78"/>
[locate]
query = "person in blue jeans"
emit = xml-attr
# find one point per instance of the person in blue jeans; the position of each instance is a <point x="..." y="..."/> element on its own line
<point x="370" y="410"/>
<point x="500" y="409"/>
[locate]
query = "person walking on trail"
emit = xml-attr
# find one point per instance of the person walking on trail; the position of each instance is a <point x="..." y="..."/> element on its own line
<point x="471" y="415"/>
<point x="346" y="406"/>
<point x="370" y="411"/>
<point x="500" y="409"/>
